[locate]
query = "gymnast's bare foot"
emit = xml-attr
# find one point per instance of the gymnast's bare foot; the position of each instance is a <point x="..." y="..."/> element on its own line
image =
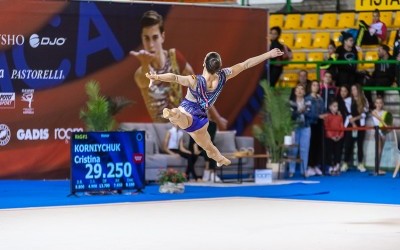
<point x="224" y="161"/>
<point x="166" y="113"/>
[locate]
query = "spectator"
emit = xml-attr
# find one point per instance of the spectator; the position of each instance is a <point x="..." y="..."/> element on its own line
<point x="347" y="73"/>
<point x="396" y="55"/>
<point x="334" y="133"/>
<point x="303" y="80"/>
<point x="316" y="122"/>
<point x="384" y="73"/>
<point x="374" y="33"/>
<point x="301" y="115"/>
<point x="173" y="145"/>
<point x="359" y="108"/>
<point x="329" y="57"/>
<point x="328" y="89"/>
<point x="344" y="103"/>
<point x="378" y="117"/>
<point x="274" y="71"/>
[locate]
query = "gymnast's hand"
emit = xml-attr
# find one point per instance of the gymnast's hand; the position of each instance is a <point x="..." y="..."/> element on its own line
<point x="275" y="53"/>
<point x="152" y="76"/>
<point x="143" y="56"/>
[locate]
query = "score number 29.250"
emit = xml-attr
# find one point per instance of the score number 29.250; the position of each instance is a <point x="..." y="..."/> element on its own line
<point x="114" y="170"/>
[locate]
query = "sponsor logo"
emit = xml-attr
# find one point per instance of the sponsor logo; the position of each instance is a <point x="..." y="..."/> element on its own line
<point x="11" y="39"/>
<point x="33" y="134"/>
<point x="7" y="100"/>
<point x="41" y="74"/>
<point x="5" y="134"/>
<point x="35" y="41"/>
<point x="27" y="96"/>
<point x="65" y="133"/>
<point x="138" y="158"/>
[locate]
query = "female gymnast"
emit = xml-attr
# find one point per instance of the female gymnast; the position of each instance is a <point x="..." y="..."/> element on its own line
<point x="203" y="90"/>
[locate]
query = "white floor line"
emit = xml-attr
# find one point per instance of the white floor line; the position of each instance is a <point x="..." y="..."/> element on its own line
<point x="230" y="223"/>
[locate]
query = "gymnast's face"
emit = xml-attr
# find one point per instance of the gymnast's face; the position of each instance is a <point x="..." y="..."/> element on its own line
<point x="153" y="39"/>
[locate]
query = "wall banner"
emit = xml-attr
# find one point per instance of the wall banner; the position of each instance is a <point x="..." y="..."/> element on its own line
<point x="49" y="50"/>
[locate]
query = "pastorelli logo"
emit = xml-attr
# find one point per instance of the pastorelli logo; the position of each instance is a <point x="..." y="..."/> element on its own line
<point x="42" y="74"/>
<point x="5" y="134"/>
<point x="7" y="100"/>
<point x="27" y="96"/>
<point x="138" y="158"/>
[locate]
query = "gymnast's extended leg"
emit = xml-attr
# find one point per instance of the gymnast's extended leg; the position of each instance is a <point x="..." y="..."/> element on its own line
<point x="203" y="139"/>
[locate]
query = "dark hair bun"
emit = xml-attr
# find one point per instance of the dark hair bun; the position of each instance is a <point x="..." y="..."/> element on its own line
<point x="213" y="63"/>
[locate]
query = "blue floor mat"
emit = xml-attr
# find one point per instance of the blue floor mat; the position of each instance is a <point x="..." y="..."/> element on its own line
<point x="349" y="187"/>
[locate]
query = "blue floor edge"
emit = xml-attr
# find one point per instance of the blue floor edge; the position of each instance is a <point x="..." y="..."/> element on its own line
<point x="349" y="187"/>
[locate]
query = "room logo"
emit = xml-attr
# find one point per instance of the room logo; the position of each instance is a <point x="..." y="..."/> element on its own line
<point x="27" y="96"/>
<point x="36" y="41"/>
<point x="5" y="134"/>
<point x="65" y="133"/>
<point x="7" y="100"/>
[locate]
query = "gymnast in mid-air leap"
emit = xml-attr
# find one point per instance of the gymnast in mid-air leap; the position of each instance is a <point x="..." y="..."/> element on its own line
<point x="203" y="91"/>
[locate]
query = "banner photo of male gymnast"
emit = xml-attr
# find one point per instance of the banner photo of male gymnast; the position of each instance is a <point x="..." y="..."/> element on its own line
<point x="49" y="50"/>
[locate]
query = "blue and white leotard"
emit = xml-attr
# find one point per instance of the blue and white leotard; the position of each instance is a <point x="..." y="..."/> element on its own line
<point x="205" y="99"/>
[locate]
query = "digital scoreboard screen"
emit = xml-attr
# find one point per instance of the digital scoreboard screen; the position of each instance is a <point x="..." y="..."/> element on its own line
<point x="107" y="161"/>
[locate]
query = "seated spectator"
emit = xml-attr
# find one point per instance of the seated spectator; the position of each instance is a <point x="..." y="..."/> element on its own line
<point x="273" y="71"/>
<point x="384" y="73"/>
<point x="173" y="145"/>
<point x="372" y="34"/>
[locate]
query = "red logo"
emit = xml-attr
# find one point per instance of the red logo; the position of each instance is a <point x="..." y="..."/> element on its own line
<point x="138" y="158"/>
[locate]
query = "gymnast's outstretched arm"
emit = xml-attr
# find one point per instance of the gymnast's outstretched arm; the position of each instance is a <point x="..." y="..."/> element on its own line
<point x="170" y="77"/>
<point x="253" y="61"/>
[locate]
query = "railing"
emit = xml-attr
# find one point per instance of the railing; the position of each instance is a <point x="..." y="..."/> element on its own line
<point x="337" y="62"/>
<point x="367" y="88"/>
<point x="376" y="129"/>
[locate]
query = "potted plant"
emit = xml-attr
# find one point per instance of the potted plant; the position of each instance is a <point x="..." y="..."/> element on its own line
<point x="100" y="110"/>
<point x="276" y="121"/>
<point x="172" y="181"/>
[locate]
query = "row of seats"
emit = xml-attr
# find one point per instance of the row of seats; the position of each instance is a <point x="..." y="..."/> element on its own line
<point x="331" y="20"/>
<point x="319" y="56"/>
<point x="318" y="40"/>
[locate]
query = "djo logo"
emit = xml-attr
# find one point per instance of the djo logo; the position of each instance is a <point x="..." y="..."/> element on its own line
<point x="5" y="134"/>
<point x="36" y="41"/>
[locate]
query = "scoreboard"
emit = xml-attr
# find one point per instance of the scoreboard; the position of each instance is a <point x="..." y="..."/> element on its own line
<point x="105" y="161"/>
